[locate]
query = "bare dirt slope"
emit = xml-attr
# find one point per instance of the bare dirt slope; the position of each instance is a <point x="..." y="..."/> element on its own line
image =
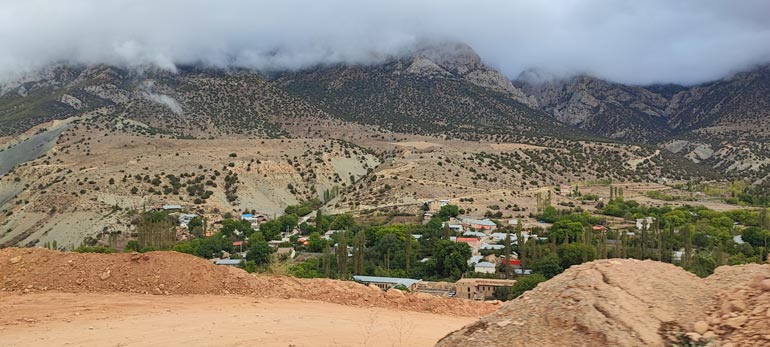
<point x="169" y="273"/>
<point x="631" y="303"/>
<point x="120" y="319"/>
<point x="741" y="315"/>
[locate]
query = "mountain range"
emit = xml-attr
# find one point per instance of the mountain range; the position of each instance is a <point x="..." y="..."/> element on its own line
<point x="441" y="90"/>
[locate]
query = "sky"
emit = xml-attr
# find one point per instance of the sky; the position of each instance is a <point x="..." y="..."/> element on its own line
<point x="626" y="41"/>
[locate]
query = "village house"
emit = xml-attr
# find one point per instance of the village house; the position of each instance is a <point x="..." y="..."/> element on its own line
<point x="454" y="227"/>
<point x="169" y="208"/>
<point x="328" y="235"/>
<point x="488" y="247"/>
<point x="426" y="217"/>
<point x="480" y="288"/>
<point x="287" y="252"/>
<point x="239" y="246"/>
<point x="645" y="223"/>
<point x="229" y="262"/>
<point x="185" y="218"/>
<point x="474" y="234"/>
<point x="471" y="241"/>
<point x="475" y="259"/>
<point x="485" y="267"/>
<point x="255" y="219"/>
<point x="386" y="283"/>
<point x="479" y="224"/>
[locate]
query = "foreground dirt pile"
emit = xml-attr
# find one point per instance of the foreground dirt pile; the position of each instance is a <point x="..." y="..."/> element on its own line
<point x="632" y="303"/>
<point x="30" y="270"/>
<point x="741" y="316"/>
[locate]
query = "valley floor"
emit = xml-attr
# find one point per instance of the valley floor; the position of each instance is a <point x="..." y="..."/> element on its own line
<point x="91" y="319"/>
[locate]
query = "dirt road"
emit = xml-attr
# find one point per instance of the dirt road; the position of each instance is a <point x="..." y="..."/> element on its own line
<point x="59" y="319"/>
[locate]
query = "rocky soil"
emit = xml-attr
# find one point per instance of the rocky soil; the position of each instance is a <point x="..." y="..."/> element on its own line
<point x="741" y="315"/>
<point x="632" y="303"/>
<point x="28" y="270"/>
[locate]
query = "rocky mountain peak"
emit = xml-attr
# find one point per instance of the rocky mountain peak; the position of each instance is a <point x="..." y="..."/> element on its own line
<point x="454" y="59"/>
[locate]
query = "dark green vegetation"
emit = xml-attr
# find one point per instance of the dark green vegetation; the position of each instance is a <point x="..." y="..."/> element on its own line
<point x="387" y="250"/>
<point x="387" y="97"/>
<point x="695" y="238"/>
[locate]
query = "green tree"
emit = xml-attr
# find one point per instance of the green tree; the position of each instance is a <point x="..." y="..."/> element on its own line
<point x="502" y="293"/>
<point x="575" y="253"/>
<point x="359" y="250"/>
<point x="755" y="236"/>
<point x="520" y="242"/>
<point x="133" y="245"/>
<point x="315" y="243"/>
<point x="155" y="231"/>
<point x="342" y="222"/>
<point x="701" y="265"/>
<point x="196" y="226"/>
<point x="526" y="283"/>
<point x="688" y="232"/>
<point x="319" y="220"/>
<point x="236" y="228"/>
<point x="342" y="254"/>
<point x="447" y="211"/>
<point x="548" y="266"/>
<point x="259" y="250"/>
<point x="386" y="246"/>
<point x="408" y="251"/>
<point x="450" y="259"/>
<point x="565" y="231"/>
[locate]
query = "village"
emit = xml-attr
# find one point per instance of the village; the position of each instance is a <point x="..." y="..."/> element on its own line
<point x="496" y="252"/>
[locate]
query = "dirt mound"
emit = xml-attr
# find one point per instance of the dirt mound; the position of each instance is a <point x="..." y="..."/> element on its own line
<point x="167" y="273"/>
<point x="632" y="303"/>
<point x="728" y="276"/>
<point x="741" y="316"/>
<point x="602" y="303"/>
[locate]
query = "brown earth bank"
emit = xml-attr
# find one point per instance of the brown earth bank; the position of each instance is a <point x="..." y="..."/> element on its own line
<point x="128" y="319"/>
<point x="632" y="303"/>
<point x="33" y="270"/>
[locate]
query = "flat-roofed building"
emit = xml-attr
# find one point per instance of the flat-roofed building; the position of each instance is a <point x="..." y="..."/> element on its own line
<point x="480" y="288"/>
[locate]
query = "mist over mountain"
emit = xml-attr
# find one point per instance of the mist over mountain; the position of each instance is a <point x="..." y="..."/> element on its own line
<point x="632" y="42"/>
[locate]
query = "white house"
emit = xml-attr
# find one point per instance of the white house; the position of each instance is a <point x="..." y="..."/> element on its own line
<point x="479" y="224"/>
<point x="645" y="223"/>
<point x="484" y="267"/>
<point x="453" y="227"/>
<point x="485" y="246"/>
<point x="474" y="234"/>
<point x="230" y="262"/>
<point x="328" y="235"/>
<point x="185" y="218"/>
<point x="475" y="259"/>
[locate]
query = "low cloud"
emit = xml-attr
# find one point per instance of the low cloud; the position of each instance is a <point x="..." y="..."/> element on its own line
<point x="628" y="41"/>
<point x="148" y="91"/>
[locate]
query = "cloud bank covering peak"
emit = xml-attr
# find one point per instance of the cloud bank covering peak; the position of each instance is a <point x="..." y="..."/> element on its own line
<point x="628" y="41"/>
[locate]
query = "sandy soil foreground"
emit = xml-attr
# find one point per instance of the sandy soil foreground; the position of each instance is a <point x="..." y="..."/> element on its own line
<point x="60" y="319"/>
